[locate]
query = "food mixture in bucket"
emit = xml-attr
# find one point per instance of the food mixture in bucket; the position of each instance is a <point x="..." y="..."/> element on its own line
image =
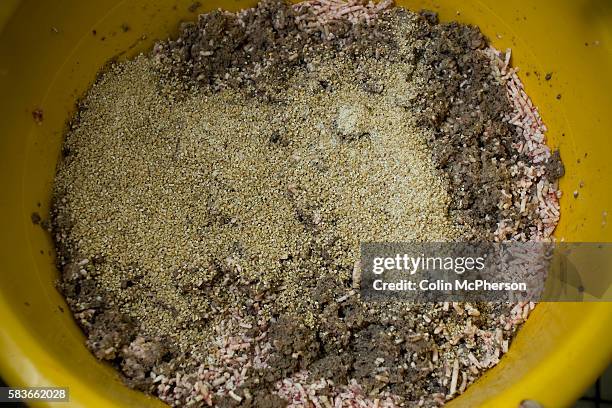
<point x="213" y="193"/>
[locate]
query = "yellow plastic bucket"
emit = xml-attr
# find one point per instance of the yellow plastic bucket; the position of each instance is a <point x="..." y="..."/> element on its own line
<point x="50" y="52"/>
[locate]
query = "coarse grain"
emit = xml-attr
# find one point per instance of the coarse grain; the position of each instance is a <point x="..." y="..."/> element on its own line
<point x="159" y="201"/>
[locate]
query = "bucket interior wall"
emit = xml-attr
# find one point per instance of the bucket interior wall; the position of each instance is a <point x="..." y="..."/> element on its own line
<point x="50" y="52"/>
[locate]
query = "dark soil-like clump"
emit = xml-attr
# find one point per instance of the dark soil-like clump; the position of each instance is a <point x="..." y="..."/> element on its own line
<point x="464" y="107"/>
<point x="259" y="47"/>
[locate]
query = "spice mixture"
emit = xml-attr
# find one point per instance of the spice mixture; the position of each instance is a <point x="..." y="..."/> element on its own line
<point x="212" y="196"/>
